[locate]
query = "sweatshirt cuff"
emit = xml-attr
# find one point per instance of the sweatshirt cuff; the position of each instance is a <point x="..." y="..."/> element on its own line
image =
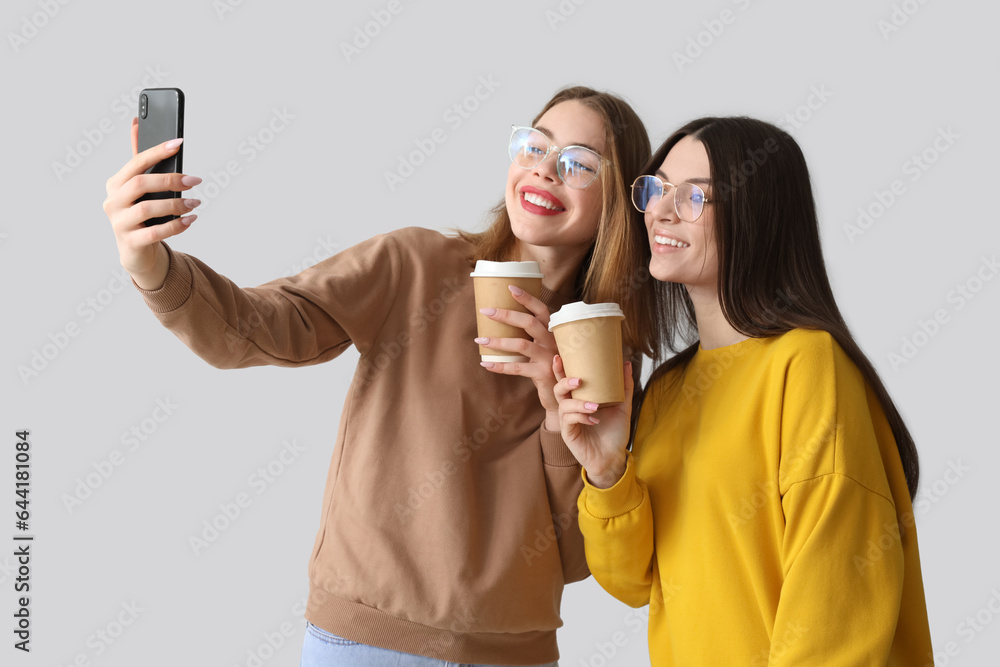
<point x="622" y="498"/>
<point x="554" y="450"/>
<point x="176" y="287"/>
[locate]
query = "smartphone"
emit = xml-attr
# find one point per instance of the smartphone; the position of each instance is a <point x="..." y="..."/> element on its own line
<point x="161" y="118"/>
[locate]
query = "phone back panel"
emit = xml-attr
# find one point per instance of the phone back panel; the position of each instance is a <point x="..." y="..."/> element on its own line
<point x="161" y="118"/>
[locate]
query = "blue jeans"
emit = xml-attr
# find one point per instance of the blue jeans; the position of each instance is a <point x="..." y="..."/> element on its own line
<point x="322" y="649"/>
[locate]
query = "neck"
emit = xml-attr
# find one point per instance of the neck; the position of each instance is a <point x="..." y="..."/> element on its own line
<point x="713" y="329"/>
<point x="559" y="265"/>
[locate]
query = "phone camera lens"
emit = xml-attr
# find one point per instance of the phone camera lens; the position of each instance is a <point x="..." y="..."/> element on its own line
<point x="142" y="106"/>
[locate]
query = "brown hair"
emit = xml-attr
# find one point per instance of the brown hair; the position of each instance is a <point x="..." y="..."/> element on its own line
<point x="772" y="277"/>
<point x="616" y="266"/>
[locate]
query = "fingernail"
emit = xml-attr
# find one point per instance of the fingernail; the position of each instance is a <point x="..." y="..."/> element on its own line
<point x="515" y="290"/>
<point x="574" y="382"/>
<point x="190" y="180"/>
<point x="191" y="203"/>
<point x="173" y="144"/>
<point x="486" y="364"/>
<point x="590" y="406"/>
<point x="594" y="420"/>
<point x="488" y="311"/>
<point x="188" y="219"/>
<point x="482" y="341"/>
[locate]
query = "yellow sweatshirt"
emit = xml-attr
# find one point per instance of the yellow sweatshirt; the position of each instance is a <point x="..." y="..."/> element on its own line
<point x="764" y="515"/>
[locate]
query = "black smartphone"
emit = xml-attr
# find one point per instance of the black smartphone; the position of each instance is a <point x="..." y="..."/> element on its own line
<point x="161" y="118"/>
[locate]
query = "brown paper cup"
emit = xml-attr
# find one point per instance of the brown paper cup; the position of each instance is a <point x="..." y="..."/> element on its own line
<point x="492" y="292"/>
<point x="591" y="349"/>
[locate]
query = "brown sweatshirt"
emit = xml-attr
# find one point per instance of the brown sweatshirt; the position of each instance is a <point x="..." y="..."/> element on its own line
<point x="449" y="519"/>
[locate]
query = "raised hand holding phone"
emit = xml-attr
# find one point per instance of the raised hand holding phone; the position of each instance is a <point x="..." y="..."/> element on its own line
<point x="139" y="247"/>
<point x="597" y="437"/>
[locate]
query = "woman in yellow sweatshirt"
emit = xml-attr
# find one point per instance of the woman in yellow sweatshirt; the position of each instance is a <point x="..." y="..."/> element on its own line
<point x="763" y="510"/>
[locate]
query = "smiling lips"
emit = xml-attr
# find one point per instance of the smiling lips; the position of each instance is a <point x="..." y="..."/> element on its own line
<point x="540" y="202"/>
<point x="667" y="240"/>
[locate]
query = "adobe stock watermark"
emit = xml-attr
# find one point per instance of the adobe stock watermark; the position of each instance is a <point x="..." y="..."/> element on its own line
<point x="230" y="511"/>
<point x="325" y="248"/>
<point x="123" y="107"/>
<point x="462" y="622"/>
<point x="274" y="640"/>
<point x="802" y="114"/>
<point x="637" y="620"/>
<point x="454" y="115"/>
<point x="768" y="492"/>
<point x="958" y="297"/>
<point x="248" y="150"/>
<point x="782" y="639"/>
<point x="926" y="499"/>
<point x="99" y="641"/>
<point x="561" y="12"/>
<point x="370" y="30"/>
<point x="914" y="167"/>
<point x="131" y="440"/>
<point x="704" y="39"/>
<point x="224" y="7"/>
<point x="971" y="627"/>
<point x="42" y="356"/>
<point x="461" y="451"/>
<point x="899" y="16"/>
<point x="32" y="24"/>
<point x="377" y="360"/>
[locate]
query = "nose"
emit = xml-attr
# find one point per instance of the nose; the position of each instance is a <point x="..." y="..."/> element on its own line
<point x="547" y="168"/>
<point x="663" y="210"/>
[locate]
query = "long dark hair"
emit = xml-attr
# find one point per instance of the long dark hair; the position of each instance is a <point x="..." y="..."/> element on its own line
<point x="772" y="277"/>
<point x="614" y="267"/>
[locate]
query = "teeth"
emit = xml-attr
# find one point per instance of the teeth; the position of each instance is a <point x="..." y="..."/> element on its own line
<point x="663" y="240"/>
<point x="541" y="201"/>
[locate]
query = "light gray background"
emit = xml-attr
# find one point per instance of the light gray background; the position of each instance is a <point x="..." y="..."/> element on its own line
<point x="319" y="186"/>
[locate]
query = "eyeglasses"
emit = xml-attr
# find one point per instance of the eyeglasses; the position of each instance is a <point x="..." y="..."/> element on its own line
<point x="578" y="166"/>
<point x="689" y="199"/>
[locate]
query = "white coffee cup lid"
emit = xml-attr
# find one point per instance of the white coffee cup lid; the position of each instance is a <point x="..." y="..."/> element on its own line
<point x="488" y="269"/>
<point x="578" y="310"/>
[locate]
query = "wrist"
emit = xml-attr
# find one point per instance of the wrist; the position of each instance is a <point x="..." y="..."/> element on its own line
<point x="552" y="421"/>
<point x="606" y="476"/>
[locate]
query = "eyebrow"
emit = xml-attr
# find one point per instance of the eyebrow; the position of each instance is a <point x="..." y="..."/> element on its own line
<point x="699" y="181"/>
<point x="549" y="135"/>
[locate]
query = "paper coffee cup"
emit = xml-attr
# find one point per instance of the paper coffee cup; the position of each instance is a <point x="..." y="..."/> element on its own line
<point x="589" y="338"/>
<point x="490" y="280"/>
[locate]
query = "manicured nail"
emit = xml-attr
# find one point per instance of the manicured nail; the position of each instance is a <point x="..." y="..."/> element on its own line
<point x="594" y="420"/>
<point x="191" y="203"/>
<point x="486" y="364"/>
<point x="488" y="311"/>
<point x="173" y="144"/>
<point x="574" y="382"/>
<point x="188" y="219"/>
<point x="190" y="180"/>
<point x="590" y="406"/>
<point x="482" y="341"/>
<point x="515" y="290"/>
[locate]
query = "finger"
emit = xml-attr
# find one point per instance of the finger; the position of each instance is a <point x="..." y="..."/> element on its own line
<point x="521" y="346"/>
<point x="515" y="318"/>
<point x="563" y="388"/>
<point x="149" y="235"/>
<point x="141" y="162"/>
<point x="579" y="418"/>
<point x="557" y="367"/>
<point x="532" y="303"/>
<point x="523" y="368"/>
<point x="142" y="184"/>
<point x="135" y="136"/>
<point x="155" y="208"/>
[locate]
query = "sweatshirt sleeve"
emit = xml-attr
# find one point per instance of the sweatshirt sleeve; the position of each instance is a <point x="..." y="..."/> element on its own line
<point x="299" y="320"/>
<point x="841" y="554"/>
<point x="617" y="527"/>
<point x="843" y="575"/>
<point x="563" y="485"/>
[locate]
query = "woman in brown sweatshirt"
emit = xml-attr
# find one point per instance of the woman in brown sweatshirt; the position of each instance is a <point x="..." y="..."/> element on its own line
<point x="449" y="522"/>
